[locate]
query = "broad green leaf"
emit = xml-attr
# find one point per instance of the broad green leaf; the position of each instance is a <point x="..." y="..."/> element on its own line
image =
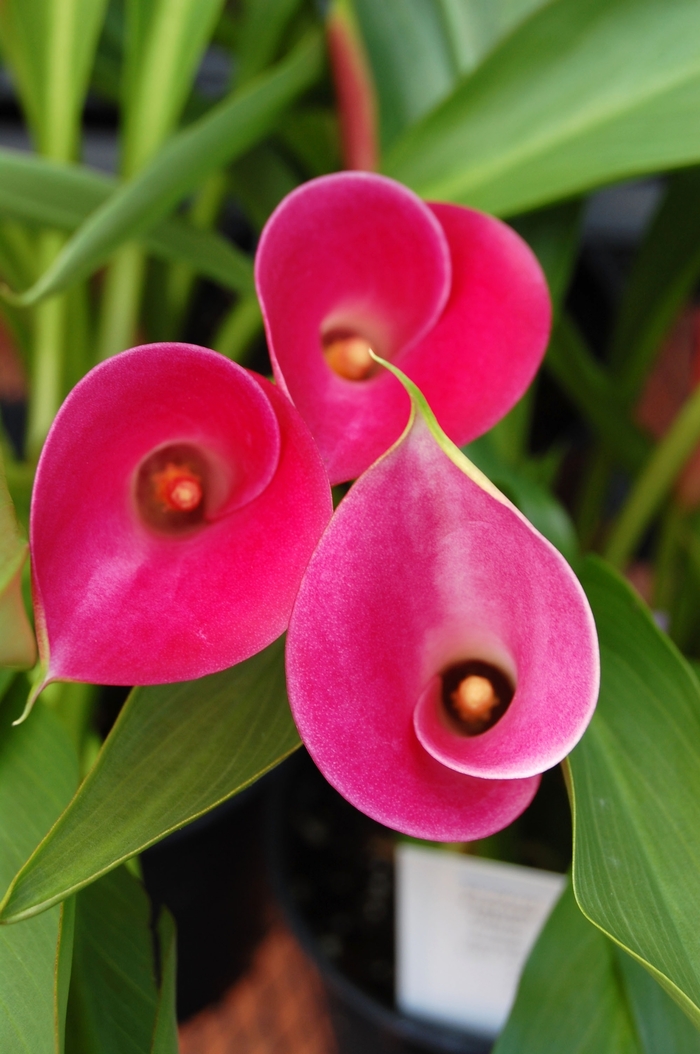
<point x="661" y="1025"/>
<point x="418" y="49"/>
<point x="636" y="793"/>
<point x="38" y="774"/>
<point x="475" y="27"/>
<point x="570" y="999"/>
<point x="50" y="44"/>
<point x="64" y="196"/>
<point x="175" y="752"/>
<point x="17" y="644"/>
<point x="664" y="274"/>
<point x="115" y="1005"/>
<point x="226" y="132"/>
<point x="581" y="94"/>
<point x="594" y="394"/>
<point x="410" y="58"/>
<point x="541" y="508"/>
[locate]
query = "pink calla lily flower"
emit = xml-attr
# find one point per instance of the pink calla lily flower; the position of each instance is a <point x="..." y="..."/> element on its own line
<point x="177" y="501"/>
<point x="355" y="261"/>
<point x="441" y="653"/>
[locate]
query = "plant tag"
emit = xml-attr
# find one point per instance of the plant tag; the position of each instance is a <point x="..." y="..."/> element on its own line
<point x="464" y="928"/>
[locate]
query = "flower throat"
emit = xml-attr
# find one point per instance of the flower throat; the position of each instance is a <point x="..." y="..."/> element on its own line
<point x="475" y="696"/>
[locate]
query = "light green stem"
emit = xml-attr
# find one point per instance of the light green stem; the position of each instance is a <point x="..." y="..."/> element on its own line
<point x="121" y="301"/>
<point x="667" y="557"/>
<point x="654" y="482"/>
<point x="512" y="432"/>
<point x="203" y="215"/>
<point x="239" y="329"/>
<point x="48" y="357"/>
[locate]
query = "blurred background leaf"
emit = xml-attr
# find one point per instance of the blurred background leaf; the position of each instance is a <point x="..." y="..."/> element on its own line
<point x="579" y="95"/>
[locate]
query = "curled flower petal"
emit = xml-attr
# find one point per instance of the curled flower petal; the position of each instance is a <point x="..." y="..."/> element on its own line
<point x="427" y="569"/>
<point x="177" y="502"/>
<point x="454" y="297"/>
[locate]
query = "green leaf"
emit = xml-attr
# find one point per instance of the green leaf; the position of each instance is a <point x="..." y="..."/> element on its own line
<point x="582" y="94"/>
<point x="175" y="752"/>
<point x="410" y="58"/>
<point x="38" y="774"/>
<point x="592" y="391"/>
<point x="45" y="193"/>
<point x="311" y="135"/>
<point x="260" y="180"/>
<point x="204" y="251"/>
<point x="475" y="27"/>
<point x="50" y="45"/>
<point x="165" y="42"/>
<point x="227" y="131"/>
<point x="570" y="998"/>
<point x="419" y="48"/>
<point x="17" y="644"/>
<point x="165" y="1037"/>
<point x="115" y="1004"/>
<point x="664" y="273"/>
<point x="661" y="1025"/>
<point x="636" y="792"/>
<point x="261" y="29"/>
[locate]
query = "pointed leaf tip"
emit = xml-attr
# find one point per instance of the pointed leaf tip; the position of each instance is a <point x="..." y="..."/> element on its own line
<point x="40" y="680"/>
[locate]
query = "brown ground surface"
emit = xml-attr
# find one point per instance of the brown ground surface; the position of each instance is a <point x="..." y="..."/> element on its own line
<point x="278" y="1007"/>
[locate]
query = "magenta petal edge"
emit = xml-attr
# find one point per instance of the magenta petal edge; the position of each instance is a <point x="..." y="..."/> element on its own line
<point x="452" y="296"/>
<point x="177" y="502"/>
<point x="424" y="566"/>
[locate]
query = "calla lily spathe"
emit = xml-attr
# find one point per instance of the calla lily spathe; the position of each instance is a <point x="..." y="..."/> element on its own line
<point x="426" y="569"/>
<point x="177" y="501"/>
<point x="452" y="296"/>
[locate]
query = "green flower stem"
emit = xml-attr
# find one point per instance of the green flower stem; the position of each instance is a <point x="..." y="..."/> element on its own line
<point x="121" y="300"/>
<point x="665" y="578"/>
<point x="654" y="482"/>
<point x="48" y="356"/>
<point x="239" y="328"/>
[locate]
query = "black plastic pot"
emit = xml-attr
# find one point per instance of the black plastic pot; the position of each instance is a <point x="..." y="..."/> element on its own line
<point x="331" y="870"/>
<point x="211" y="875"/>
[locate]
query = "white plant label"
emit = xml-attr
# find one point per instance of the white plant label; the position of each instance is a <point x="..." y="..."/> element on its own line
<point x="464" y="928"/>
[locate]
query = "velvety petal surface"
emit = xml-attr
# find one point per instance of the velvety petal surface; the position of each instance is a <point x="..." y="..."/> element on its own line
<point x="485" y="350"/>
<point x="359" y="252"/>
<point x="120" y="601"/>
<point x="425" y="565"/>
